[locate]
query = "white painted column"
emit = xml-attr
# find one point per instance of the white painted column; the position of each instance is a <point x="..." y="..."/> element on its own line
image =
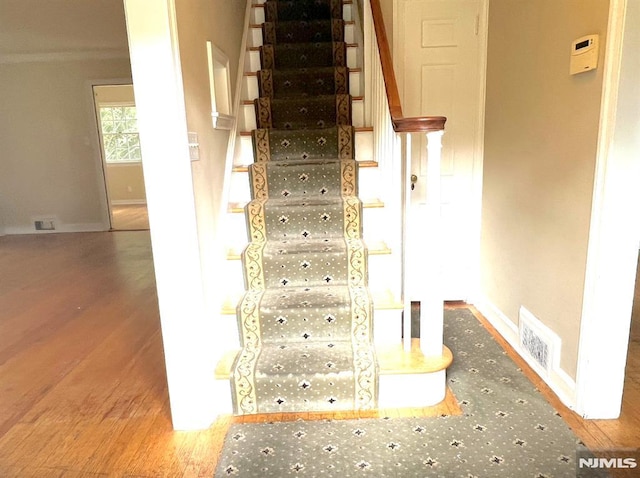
<point x="431" y="298"/>
<point x="157" y="81"/>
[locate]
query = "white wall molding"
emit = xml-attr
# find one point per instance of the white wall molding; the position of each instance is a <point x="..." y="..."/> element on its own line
<point x="60" y="228"/>
<point x="613" y="238"/>
<point x="558" y="380"/>
<point x="128" y="202"/>
<point x="475" y="225"/>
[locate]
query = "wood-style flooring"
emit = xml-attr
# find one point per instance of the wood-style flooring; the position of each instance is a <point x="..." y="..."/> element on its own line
<point x="129" y="217"/>
<point x="82" y="383"/>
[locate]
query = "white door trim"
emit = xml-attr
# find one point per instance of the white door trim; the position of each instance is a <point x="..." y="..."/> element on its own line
<point x="96" y="140"/>
<point x="612" y="252"/>
<point x="96" y="144"/>
<point x="478" y="164"/>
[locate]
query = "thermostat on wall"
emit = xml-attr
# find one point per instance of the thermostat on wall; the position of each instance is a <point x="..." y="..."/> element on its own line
<point x="584" y="54"/>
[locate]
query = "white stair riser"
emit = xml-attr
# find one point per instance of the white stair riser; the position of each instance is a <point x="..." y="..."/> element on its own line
<point x="412" y="390"/>
<point x="363" y="148"/>
<point x="255" y="35"/>
<point x="252" y="59"/>
<point x="250" y="85"/>
<point x="248" y="115"/>
<point x="387" y="326"/>
<point x="257" y="13"/>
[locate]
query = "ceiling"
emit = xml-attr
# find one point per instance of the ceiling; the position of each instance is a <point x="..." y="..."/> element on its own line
<point x="61" y="26"/>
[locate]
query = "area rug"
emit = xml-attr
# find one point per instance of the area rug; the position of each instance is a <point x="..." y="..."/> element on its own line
<point x="508" y="430"/>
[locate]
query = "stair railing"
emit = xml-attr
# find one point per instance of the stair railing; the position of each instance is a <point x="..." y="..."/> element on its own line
<point x="392" y="147"/>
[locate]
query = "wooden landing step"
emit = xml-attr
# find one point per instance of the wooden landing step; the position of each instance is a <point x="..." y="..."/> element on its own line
<point x="392" y="360"/>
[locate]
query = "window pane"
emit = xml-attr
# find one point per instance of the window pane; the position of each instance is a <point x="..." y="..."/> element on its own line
<point x="107" y="127"/>
<point x="106" y="114"/>
<point x="130" y="112"/>
<point x="118" y="114"/>
<point x="135" y="153"/>
<point x="120" y="133"/>
<point x="131" y="126"/>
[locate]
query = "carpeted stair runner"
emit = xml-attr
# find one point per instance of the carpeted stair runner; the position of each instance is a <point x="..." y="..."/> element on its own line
<point x="306" y="316"/>
<point x="304" y="82"/>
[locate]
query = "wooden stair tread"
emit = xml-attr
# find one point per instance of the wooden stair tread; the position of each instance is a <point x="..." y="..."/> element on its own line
<point x="392" y="360"/>
<point x="353" y="98"/>
<point x="236" y="207"/>
<point x="243" y="168"/>
<point x="358" y="129"/>
<point x="376" y="248"/>
<point x="351" y="70"/>
<point x="261" y="5"/>
<point x="257" y="48"/>
<point x="382" y="300"/>
<point x="259" y="25"/>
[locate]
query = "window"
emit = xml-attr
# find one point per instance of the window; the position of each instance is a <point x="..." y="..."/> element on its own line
<point x="120" y="134"/>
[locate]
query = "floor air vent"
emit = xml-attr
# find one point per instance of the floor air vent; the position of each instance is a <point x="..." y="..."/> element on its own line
<point x="540" y="343"/>
<point x="44" y="224"/>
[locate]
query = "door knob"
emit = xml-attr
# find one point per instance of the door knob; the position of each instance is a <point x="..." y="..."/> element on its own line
<point x="414" y="180"/>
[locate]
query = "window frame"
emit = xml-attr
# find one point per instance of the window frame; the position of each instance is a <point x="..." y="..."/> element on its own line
<point x="109" y="161"/>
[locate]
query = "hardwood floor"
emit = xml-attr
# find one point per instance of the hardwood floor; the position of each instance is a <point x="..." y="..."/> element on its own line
<point x="129" y="217"/>
<point x="82" y="384"/>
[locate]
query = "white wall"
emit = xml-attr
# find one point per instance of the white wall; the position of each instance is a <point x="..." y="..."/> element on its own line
<point x="221" y="22"/>
<point x="50" y="155"/>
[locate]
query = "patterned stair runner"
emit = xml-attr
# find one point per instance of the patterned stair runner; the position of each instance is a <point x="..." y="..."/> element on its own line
<point x="306" y="317"/>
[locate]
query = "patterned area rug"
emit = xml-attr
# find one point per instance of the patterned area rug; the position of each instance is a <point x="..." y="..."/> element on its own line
<point x="306" y="318"/>
<point x="508" y="430"/>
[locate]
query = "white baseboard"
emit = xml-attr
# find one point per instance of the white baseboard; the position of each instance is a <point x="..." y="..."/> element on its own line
<point x="558" y="380"/>
<point x="78" y="227"/>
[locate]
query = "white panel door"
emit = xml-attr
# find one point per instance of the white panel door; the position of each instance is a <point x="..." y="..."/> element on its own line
<point x="440" y="68"/>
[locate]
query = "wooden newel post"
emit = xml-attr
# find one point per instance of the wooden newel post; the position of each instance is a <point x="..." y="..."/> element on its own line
<point x="432" y="302"/>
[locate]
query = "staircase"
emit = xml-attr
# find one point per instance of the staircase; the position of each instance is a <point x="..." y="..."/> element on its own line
<point x="306" y="316"/>
<point x="308" y="194"/>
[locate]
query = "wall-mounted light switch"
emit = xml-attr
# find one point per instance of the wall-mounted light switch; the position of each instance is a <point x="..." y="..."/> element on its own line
<point x="194" y="146"/>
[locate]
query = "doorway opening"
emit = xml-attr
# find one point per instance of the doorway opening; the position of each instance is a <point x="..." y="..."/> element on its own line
<point x="121" y="156"/>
